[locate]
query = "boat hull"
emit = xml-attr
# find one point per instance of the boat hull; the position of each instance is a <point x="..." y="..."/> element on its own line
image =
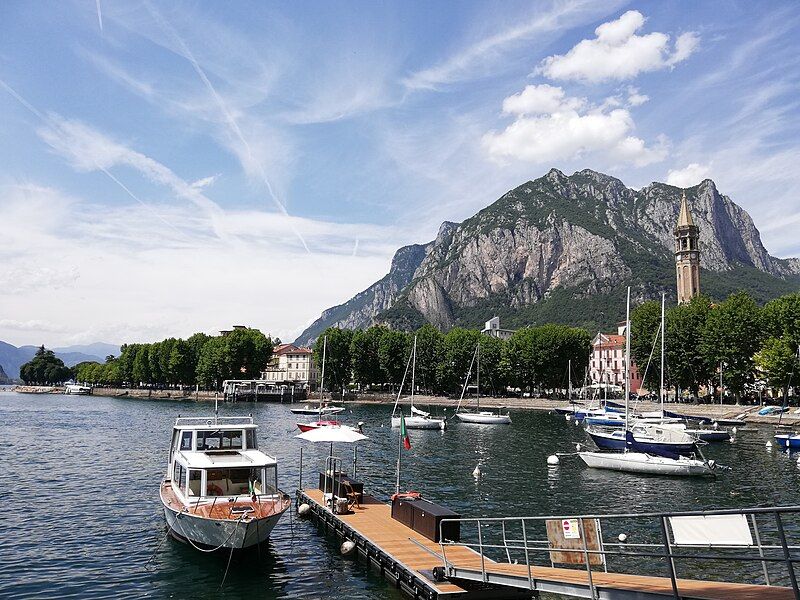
<point x="787" y="441"/>
<point x="420" y="423"/>
<point x="316" y="425"/>
<point x="484" y="418"/>
<point x="616" y="441"/>
<point x="710" y="435"/>
<point x="215" y="533"/>
<point x="637" y="462"/>
<point x="310" y="410"/>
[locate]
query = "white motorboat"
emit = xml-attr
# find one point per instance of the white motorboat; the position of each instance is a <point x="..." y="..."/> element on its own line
<point x="322" y="408"/>
<point x="419" y="419"/>
<point x="220" y="490"/>
<point x="482" y="417"/>
<point x="77" y="390"/>
<point x="639" y="462"/>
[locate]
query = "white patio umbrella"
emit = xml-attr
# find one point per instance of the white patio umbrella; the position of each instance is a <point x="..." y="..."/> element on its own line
<point x="332" y="434"/>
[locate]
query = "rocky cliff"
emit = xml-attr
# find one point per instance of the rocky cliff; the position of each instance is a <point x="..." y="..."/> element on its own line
<point x="563" y="248"/>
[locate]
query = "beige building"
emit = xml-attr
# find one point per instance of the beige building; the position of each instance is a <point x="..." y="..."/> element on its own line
<point x="607" y="364"/>
<point x="292" y="365"/>
<point x="687" y="254"/>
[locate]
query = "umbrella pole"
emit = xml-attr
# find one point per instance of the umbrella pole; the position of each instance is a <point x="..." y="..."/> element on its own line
<point x="355" y="459"/>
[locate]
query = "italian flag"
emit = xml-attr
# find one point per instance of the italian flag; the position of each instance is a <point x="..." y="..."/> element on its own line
<point x="404" y="432"/>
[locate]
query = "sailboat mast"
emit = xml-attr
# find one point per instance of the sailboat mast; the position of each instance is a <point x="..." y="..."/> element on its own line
<point x="478" y="376"/>
<point x="569" y="379"/>
<point x="627" y="356"/>
<point x="661" y="389"/>
<point x="413" y="369"/>
<point x="322" y="375"/>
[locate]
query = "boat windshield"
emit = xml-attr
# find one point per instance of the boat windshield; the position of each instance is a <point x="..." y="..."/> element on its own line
<point x="241" y="481"/>
<point x="219" y="440"/>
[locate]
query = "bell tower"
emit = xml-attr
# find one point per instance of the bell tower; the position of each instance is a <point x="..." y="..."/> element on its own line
<point x="687" y="254"/>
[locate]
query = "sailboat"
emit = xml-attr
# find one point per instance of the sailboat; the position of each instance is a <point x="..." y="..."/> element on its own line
<point x="635" y="458"/>
<point x="484" y="417"/>
<point x="419" y="419"/>
<point x="323" y="408"/>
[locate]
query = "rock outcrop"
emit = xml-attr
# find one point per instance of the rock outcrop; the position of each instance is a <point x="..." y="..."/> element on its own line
<point x="556" y="247"/>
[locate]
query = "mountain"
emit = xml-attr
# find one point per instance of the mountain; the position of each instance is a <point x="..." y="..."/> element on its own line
<point x="563" y="249"/>
<point x="4" y="379"/>
<point x="12" y="358"/>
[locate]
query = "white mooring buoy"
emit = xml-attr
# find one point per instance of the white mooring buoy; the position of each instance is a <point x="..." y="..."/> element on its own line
<point x="303" y="510"/>
<point x="477" y="472"/>
<point x="553" y="460"/>
<point x="578" y="447"/>
<point x="347" y="547"/>
<point x="622" y="537"/>
<point x="568" y="417"/>
<point x="769" y="444"/>
<point x="577" y="423"/>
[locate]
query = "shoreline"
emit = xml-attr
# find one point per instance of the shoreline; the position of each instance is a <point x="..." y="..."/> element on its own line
<point x="746" y="412"/>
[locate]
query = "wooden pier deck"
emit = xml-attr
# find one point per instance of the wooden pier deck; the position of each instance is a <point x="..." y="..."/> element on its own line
<point x="407" y="559"/>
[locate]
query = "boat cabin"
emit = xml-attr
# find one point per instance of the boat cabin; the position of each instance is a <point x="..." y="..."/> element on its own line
<point x="211" y="458"/>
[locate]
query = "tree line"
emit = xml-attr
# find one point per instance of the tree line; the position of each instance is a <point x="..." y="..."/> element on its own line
<point x="201" y="360"/>
<point x="750" y="344"/>
<point x="534" y="357"/>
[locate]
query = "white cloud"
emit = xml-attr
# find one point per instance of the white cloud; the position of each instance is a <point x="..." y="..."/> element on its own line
<point x="690" y="175"/>
<point x="474" y="60"/>
<point x="635" y="98"/>
<point x="136" y="283"/>
<point x="618" y="53"/>
<point x="551" y="126"/>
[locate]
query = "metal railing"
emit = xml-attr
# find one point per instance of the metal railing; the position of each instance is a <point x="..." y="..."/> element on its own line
<point x="211" y="421"/>
<point x="518" y="540"/>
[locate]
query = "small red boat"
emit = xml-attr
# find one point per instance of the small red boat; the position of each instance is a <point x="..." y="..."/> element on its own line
<point x="316" y="424"/>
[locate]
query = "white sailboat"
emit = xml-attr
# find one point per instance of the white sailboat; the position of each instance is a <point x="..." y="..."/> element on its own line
<point x="323" y="408"/>
<point x="631" y="461"/>
<point x="483" y="417"/>
<point x="419" y="419"/>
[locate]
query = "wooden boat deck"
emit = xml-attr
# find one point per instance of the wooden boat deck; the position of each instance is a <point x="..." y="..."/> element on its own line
<point x="222" y="509"/>
<point x="373" y="522"/>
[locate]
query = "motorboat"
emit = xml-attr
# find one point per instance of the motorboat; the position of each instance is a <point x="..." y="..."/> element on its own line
<point x="74" y="389"/>
<point x="419" y="419"/>
<point x="481" y="417"/>
<point x="316" y="424"/>
<point x="220" y="490"/>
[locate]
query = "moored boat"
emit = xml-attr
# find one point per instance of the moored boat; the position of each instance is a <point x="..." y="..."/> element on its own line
<point x="419" y="419"/>
<point x="788" y="440"/>
<point x="481" y="417"/>
<point x="77" y="390"/>
<point x="641" y="462"/>
<point x="220" y="490"/>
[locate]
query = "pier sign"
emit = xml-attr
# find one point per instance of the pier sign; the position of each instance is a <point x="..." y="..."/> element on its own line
<point x="571" y="529"/>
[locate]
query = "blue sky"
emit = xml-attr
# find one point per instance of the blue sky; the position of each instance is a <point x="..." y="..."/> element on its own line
<point x="175" y="167"/>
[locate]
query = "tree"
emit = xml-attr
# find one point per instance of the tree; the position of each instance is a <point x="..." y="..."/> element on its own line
<point x="732" y="336"/>
<point x="521" y="358"/>
<point x="393" y="351"/>
<point x="430" y="349"/>
<point x="44" y="368"/>
<point x="364" y="347"/>
<point x="180" y="366"/>
<point x="493" y="373"/>
<point x="458" y="349"/>
<point x="248" y="352"/>
<point x="781" y="318"/>
<point x="646" y="341"/>
<point x="141" y="364"/>
<point x="212" y="366"/>
<point x="337" y="357"/>
<point x="687" y="365"/>
<point x="154" y="362"/>
<point x="778" y="362"/>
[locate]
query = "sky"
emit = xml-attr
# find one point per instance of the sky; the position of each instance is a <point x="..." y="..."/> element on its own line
<point x="173" y="167"/>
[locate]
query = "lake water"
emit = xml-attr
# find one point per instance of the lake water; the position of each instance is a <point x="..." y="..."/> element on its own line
<point x="82" y="518"/>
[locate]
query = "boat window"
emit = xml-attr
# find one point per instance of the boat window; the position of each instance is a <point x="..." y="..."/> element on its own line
<point x="195" y="478"/>
<point x="186" y="440"/>
<point x="239" y="481"/>
<point x="178" y="474"/>
<point x="270" y="480"/>
<point x="251" y="439"/>
<point x="219" y="440"/>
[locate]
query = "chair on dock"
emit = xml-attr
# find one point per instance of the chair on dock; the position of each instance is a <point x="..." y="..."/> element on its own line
<point x="352" y="495"/>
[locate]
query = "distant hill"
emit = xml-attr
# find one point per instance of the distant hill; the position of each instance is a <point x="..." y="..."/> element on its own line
<point x="4" y="379"/>
<point x="12" y="357"/>
<point x="563" y="248"/>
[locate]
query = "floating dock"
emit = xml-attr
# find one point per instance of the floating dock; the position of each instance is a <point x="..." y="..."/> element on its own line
<point x="417" y="566"/>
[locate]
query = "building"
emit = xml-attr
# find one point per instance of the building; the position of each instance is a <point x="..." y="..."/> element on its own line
<point x="492" y="327"/>
<point x="291" y="364"/>
<point x="607" y="364"/>
<point x="687" y="254"/>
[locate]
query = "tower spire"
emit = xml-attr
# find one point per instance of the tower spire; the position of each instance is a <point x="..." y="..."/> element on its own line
<point x="687" y="254"/>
